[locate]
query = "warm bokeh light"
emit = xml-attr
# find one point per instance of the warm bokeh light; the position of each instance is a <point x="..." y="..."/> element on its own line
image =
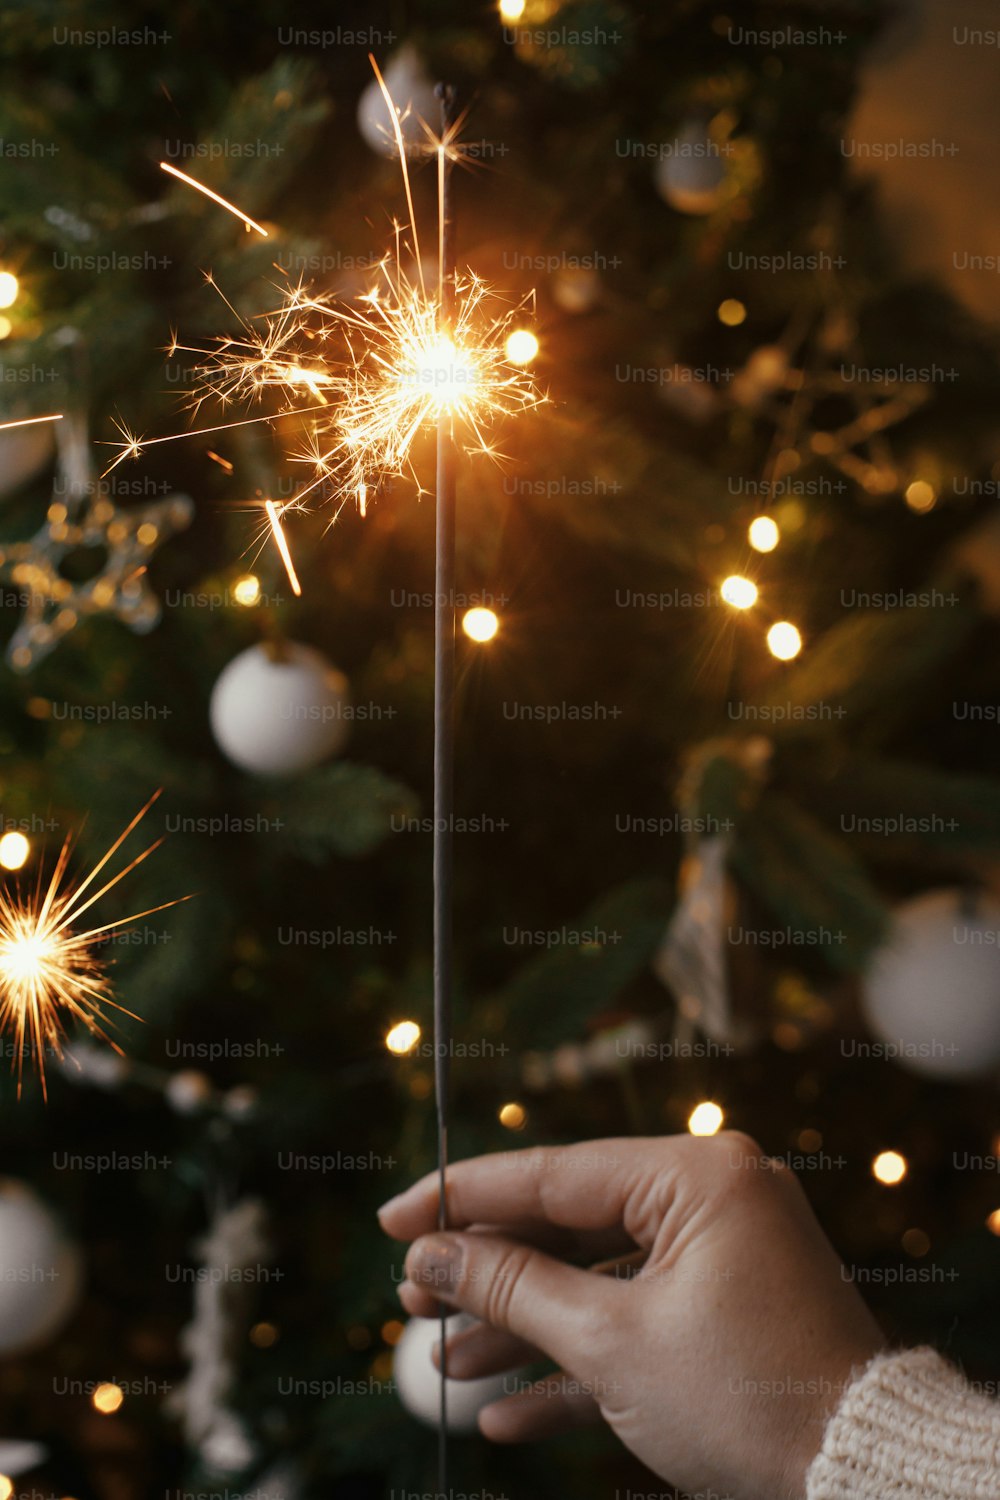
<point x="392" y="1331"/>
<point x="731" y="312"/>
<point x="916" y="1242"/>
<point x="889" y="1168"/>
<point x="8" y="289"/>
<point x="764" y="534"/>
<point x="705" y="1119"/>
<point x="993" y="1222"/>
<point x="6" y="1487"/>
<point x="402" y="1038"/>
<point x="14" y="850"/>
<point x="739" y="592"/>
<point x="108" y="1398"/>
<point x="512" y="1116"/>
<point x="512" y="10"/>
<point x="521" y="346"/>
<point x="246" y="590"/>
<point x="784" y="641"/>
<point x="263" y="1335"/>
<point x="920" y="496"/>
<point x="480" y="624"/>
<point x="6" y="328"/>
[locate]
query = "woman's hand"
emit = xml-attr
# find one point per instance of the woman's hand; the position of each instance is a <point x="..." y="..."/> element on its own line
<point x="718" y="1363"/>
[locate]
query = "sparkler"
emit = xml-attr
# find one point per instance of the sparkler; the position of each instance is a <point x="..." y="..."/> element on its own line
<point x="376" y="371"/>
<point x="49" y="971"/>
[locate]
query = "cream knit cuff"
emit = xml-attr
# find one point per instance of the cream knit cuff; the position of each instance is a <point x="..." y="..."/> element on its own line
<point x="910" y="1427"/>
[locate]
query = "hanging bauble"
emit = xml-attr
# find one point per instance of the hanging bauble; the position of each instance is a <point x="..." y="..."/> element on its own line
<point x="411" y="91"/>
<point x="25" y="452"/>
<point x="418" y="1380"/>
<point x="932" y="992"/>
<point x="576" y="289"/>
<point x="691" y="173"/>
<point x="280" y="708"/>
<point x="42" y="1271"/>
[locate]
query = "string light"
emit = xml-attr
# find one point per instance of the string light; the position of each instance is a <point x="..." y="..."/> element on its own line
<point x="993" y="1222"/>
<point x="705" y="1119"/>
<point x="920" y="496"/>
<point x="480" y="624"/>
<point x="512" y="1116"/>
<point x="784" y="641"/>
<point x="764" y="534"/>
<point x="246" y="590"/>
<point x="889" y="1168"/>
<point x="8" y="289"/>
<point x="402" y="1038"/>
<point x="521" y="346"/>
<point x="739" y="592"/>
<point x="107" y="1398"/>
<point x="731" y="312"/>
<point x="14" y="851"/>
<point x="512" y="10"/>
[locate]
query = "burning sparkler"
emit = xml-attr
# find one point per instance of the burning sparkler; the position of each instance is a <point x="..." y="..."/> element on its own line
<point x="375" y="371"/>
<point x="49" y="971"/>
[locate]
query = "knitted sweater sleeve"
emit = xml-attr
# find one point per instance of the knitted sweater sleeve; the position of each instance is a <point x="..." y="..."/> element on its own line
<point x="910" y="1427"/>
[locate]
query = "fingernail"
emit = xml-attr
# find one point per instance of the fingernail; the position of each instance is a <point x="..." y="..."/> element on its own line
<point x="388" y="1206"/>
<point x="436" y="1261"/>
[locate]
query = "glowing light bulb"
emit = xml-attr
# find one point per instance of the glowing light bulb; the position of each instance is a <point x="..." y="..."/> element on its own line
<point x="920" y="496"/>
<point x="402" y="1038"/>
<point x="480" y="624"/>
<point x="14" y="850"/>
<point x="521" y="346"/>
<point x="512" y="1116"/>
<point x="889" y="1168"/>
<point x="705" y="1119"/>
<point x="784" y="641"/>
<point x="8" y="289"/>
<point x="739" y="592"/>
<point x="764" y="534"/>
<point x="731" y="312"/>
<point x="246" y="590"/>
<point x="512" y="10"/>
<point x="107" y="1398"/>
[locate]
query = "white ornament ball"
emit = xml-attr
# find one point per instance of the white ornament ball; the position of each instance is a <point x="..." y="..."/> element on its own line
<point x="40" y="1270"/>
<point x="691" y="174"/>
<point x="932" y="993"/>
<point x="188" y="1092"/>
<point x="418" y="1380"/>
<point x="24" y="453"/>
<point x="576" y="289"/>
<point x="279" y="711"/>
<point x="411" y="91"/>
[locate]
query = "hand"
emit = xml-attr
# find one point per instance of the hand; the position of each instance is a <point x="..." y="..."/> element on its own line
<point x="718" y="1364"/>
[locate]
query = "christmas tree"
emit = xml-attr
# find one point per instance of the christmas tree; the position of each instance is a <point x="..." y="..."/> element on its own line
<point x="727" y="818"/>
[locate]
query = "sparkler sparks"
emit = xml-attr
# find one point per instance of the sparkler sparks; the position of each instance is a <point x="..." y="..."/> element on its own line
<point x="30" y="421"/>
<point x="49" y="971"/>
<point x="379" y="368"/>
<point x="215" y="197"/>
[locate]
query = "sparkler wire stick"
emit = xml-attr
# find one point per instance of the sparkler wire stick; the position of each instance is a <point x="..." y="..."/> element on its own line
<point x="444" y="732"/>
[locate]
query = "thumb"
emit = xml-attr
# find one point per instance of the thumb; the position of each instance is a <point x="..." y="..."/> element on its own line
<point x="565" y="1311"/>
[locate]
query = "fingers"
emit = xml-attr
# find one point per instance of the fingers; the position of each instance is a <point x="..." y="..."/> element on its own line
<point x="560" y="1309"/>
<point x="548" y="1406"/>
<point x="593" y="1185"/>
<point x="482" y="1350"/>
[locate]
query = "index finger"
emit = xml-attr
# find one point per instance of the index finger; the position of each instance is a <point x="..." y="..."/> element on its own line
<point x="589" y="1185"/>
